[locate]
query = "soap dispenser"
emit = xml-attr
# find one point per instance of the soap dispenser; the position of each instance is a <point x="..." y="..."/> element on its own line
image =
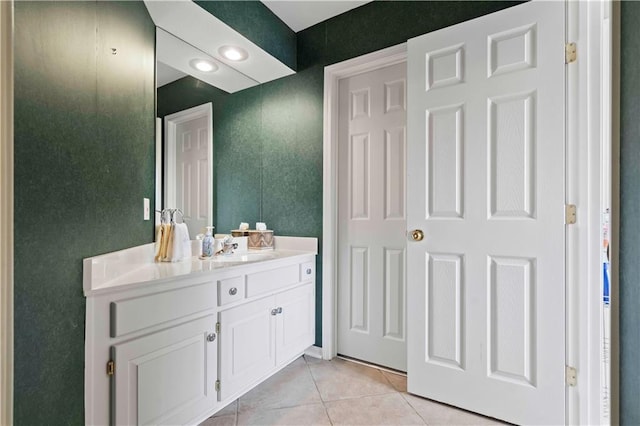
<point x="208" y="243"/>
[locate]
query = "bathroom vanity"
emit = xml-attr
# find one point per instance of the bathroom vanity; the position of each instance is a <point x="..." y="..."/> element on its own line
<point x="172" y="343"/>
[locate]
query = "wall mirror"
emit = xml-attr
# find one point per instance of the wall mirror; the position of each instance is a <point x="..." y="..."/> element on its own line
<point x="192" y="42"/>
<point x="184" y="139"/>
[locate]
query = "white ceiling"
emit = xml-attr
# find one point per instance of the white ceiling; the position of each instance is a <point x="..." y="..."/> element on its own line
<point x="302" y="14"/>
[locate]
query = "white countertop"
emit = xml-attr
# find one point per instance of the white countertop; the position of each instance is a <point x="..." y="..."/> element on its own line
<point x="134" y="267"/>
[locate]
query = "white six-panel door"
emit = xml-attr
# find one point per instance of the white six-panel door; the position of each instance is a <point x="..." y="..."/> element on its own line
<point x="192" y="172"/>
<point x="486" y="178"/>
<point x="371" y="217"/>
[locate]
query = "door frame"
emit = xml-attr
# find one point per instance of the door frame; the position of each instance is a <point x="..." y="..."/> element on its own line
<point x="588" y="24"/>
<point x="6" y="212"/>
<point x="332" y="76"/>
<point x="169" y="171"/>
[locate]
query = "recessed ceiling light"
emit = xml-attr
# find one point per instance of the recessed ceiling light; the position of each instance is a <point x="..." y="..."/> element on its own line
<point x="233" y="53"/>
<point x="203" y="65"/>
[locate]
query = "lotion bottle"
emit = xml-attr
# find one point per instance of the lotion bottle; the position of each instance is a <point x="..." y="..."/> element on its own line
<point x="208" y="248"/>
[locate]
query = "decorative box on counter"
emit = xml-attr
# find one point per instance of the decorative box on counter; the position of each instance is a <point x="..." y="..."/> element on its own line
<point x="260" y="240"/>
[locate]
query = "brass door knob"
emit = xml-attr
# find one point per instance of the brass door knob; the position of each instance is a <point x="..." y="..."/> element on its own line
<point x="417" y="235"/>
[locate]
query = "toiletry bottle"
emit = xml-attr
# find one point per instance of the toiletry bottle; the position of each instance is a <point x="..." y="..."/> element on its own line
<point x="208" y="243"/>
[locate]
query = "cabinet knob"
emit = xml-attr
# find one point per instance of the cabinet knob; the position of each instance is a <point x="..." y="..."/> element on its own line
<point x="233" y="291"/>
<point x="276" y="311"/>
<point x="211" y="337"/>
<point x="308" y="271"/>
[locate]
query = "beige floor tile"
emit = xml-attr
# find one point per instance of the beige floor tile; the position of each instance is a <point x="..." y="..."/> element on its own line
<point x="314" y="414"/>
<point x="435" y="413"/>
<point x="398" y="381"/>
<point x="220" y="421"/>
<point x="230" y="409"/>
<point x="339" y="379"/>
<point x="299" y="362"/>
<point x="288" y="388"/>
<point x="389" y="409"/>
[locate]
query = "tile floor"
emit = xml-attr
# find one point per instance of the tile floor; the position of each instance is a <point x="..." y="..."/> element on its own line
<point x="314" y="392"/>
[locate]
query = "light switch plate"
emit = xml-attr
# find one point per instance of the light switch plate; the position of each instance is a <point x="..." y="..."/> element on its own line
<point x="147" y="209"/>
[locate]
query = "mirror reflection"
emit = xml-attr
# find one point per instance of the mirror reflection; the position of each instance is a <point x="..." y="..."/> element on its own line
<point x="184" y="160"/>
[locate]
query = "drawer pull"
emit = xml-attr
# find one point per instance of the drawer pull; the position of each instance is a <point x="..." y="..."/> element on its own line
<point x="211" y="337"/>
<point x="308" y="271"/>
<point x="233" y="291"/>
<point x="276" y="311"/>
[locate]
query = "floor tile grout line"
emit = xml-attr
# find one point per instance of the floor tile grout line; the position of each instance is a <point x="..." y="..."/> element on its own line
<point x="402" y="394"/>
<point x="237" y="409"/>
<point x="326" y="410"/>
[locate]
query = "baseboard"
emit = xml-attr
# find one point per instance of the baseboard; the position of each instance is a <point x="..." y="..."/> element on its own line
<point x="314" y="351"/>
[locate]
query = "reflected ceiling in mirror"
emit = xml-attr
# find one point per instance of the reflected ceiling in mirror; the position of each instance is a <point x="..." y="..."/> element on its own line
<point x="185" y="31"/>
<point x="179" y="55"/>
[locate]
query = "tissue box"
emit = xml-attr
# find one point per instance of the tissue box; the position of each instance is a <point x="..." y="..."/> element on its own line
<point x="260" y="240"/>
<point x="239" y="233"/>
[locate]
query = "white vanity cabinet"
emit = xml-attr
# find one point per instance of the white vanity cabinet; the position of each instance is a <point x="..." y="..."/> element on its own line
<point x="174" y="343"/>
<point x="256" y="337"/>
<point x="167" y="376"/>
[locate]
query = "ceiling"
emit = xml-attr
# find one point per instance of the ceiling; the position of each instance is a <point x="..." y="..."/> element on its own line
<point x="301" y="14"/>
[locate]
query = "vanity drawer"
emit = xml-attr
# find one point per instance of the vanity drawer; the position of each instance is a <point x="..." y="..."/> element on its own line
<point x="138" y="313"/>
<point x="264" y="282"/>
<point x="307" y="271"/>
<point x="230" y="290"/>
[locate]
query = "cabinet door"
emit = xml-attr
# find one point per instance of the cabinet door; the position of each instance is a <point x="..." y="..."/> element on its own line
<point x="167" y="377"/>
<point x="247" y="337"/>
<point x="295" y="330"/>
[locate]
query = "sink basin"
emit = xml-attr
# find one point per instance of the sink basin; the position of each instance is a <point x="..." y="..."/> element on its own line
<point x="242" y="257"/>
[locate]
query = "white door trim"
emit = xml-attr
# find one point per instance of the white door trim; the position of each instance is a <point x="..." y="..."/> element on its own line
<point x="589" y="132"/>
<point x="585" y="21"/>
<point x="6" y="212"/>
<point x="158" y="201"/>
<point x="170" y="125"/>
<point x="332" y="75"/>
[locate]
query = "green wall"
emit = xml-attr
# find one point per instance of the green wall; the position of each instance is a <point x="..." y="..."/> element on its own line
<point x="84" y="159"/>
<point x="629" y="219"/>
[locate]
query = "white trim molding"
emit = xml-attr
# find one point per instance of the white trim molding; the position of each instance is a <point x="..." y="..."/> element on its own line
<point x="6" y="212"/>
<point x="332" y="75"/>
<point x="589" y="166"/>
<point x="170" y="124"/>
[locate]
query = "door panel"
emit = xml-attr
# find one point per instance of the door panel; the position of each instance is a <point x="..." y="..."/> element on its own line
<point x="486" y="148"/>
<point x="295" y="325"/>
<point x="247" y="338"/>
<point x="372" y="217"/>
<point x="167" y="376"/>
<point x="192" y="176"/>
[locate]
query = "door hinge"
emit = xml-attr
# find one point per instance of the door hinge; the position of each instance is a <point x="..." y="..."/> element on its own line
<point x="571" y="376"/>
<point x="570" y="53"/>
<point x="218" y="327"/>
<point x="570" y="214"/>
<point x="217" y="385"/>
<point x="111" y="368"/>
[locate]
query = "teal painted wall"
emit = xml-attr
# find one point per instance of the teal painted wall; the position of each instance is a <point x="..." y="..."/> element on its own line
<point x="629" y="219"/>
<point x="84" y="159"/>
<point x="259" y="24"/>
